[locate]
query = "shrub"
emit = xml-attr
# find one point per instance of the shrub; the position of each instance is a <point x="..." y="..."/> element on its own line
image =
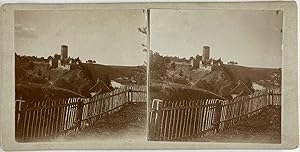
<point x="180" y="80"/>
<point x="62" y="83"/>
<point x="205" y="85"/>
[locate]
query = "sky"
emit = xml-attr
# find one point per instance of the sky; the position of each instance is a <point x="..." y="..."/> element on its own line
<point x="108" y="36"/>
<point x="251" y="38"/>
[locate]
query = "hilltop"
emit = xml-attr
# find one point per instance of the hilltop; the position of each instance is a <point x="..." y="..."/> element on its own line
<point x="35" y="79"/>
<point x="215" y="76"/>
<point x="114" y="72"/>
<point x="253" y="73"/>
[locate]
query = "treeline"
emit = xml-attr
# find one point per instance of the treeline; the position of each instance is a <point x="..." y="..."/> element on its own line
<point x="26" y="59"/>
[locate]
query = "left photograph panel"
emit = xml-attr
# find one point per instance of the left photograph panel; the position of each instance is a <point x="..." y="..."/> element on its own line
<point x="80" y="75"/>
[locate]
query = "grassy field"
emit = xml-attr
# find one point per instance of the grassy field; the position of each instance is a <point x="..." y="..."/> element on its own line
<point x="98" y="70"/>
<point x="253" y="73"/>
<point x="173" y="91"/>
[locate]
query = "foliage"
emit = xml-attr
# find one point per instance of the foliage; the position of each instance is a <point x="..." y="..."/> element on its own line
<point x="84" y="90"/>
<point x="198" y="57"/>
<point x="36" y="79"/>
<point x="173" y="66"/>
<point x="203" y="84"/>
<point x="179" y="80"/>
<point x="62" y="83"/>
<point x="158" y="66"/>
<point x="180" y="73"/>
<point x="107" y="82"/>
<point x="248" y="83"/>
<point x="172" y="91"/>
<point x="225" y="89"/>
<point x="232" y="63"/>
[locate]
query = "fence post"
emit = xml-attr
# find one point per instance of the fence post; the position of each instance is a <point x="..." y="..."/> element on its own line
<point x="79" y="113"/>
<point x="155" y="119"/>
<point x="129" y="95"/>
<point x="271" y="97"/>
<point x="217" y="116"/>
<point x="151" y="120"/>
<point x="159" y="117"/>
<point x="19" y="118"/>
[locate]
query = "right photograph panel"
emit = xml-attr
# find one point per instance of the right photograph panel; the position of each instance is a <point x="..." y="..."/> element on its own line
<point x="215" y="76"/>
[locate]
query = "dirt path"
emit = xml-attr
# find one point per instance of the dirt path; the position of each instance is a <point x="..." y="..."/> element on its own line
<point x="262" y="128"/>
<point x="128" y="124"/>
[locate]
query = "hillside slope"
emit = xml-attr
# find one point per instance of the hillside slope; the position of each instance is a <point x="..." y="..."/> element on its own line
<point x="253" y="73"/>
<point x="222" y="79"/>
<point x="105" y="72"/>
<point x="35" y="79"/>
<point x="172" y="91"/>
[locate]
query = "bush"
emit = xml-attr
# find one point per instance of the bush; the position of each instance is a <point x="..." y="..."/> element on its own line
<point x="36" y="79"/>
<point x="205" y="85"/>
<point x="225" y="89"/>
<point x="62" y="83"/>
<point x="180" y="80"/>
<point x="158" y="66"/>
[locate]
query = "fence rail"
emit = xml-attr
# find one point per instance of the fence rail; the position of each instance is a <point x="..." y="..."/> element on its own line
<point x="175" y="119"/>
<point x="171" y="120"/>
<point x="40" y="119"/>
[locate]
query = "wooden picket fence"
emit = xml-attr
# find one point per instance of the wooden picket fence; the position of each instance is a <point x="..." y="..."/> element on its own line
<point x="36" y="120"/>
<point x="244" y="107"/>
<point x="176" y="119"/>
<point x="172" y="120"/>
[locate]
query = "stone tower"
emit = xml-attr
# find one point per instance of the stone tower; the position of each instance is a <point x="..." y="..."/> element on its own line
<point x="205" y="53"/>
<point x="64" y="52"/>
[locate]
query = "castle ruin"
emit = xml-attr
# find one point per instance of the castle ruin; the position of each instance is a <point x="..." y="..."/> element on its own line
<point x="203" y="62"/>
<point x="62" y="61"/>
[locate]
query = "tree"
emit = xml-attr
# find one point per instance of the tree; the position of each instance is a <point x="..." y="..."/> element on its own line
<point x="39" y="73"/>
<point x="56" y="56"/>
<point x="157" y="66"/>
<point x="173" y="66"/>
<point x="180" y="73"/>
<point x="30" y="65"/>
<point x="232" y="63"/>
<point x="248" y="83"/>
<point x="203" y="84"/>
<point x="167" y="59"/>
<point x="107" y="81"/>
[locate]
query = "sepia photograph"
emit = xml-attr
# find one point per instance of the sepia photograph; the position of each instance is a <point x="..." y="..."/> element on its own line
<point x="80" y="75"/>
<point x="149" y="76"/>
<point x="215" y="76"/>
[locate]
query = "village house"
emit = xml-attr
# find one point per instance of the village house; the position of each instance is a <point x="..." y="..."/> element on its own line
<point x="240" y="90"/>
<point x="99" y="87"/>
